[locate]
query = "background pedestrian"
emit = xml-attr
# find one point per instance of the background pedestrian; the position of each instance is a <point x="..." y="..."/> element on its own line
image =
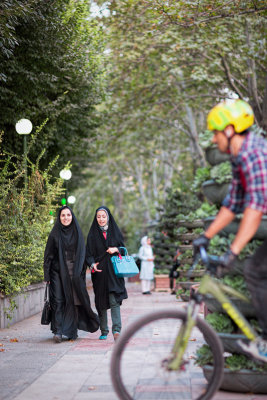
<point x="147" y="264"/>
<point x="174" y="273"/>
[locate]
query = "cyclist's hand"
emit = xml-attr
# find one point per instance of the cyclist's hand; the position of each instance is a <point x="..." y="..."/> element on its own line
<point x="228" y="259"/>
<point x="201" y="241"/>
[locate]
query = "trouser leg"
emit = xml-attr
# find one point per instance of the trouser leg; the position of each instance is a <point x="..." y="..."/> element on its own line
<point x="148" y="285"/>
<point x="171" y="283"/>
<point x="103" y="317"/>
<point x="256" y="277"/>
<point x="145" y="285"/>
<point x="58" y="317"/>
<point x="115" y="313"/>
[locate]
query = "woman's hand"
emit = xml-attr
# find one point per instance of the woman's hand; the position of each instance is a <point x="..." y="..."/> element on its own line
<point x="95" y="267"/>
<point x="112" y="250"/>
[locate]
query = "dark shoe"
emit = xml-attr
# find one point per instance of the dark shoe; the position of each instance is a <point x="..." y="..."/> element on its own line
<point x="148" y="293"/>
<point x="57" y="338"/>
<point x="116" y="335"/>
<point x="74" y="337"/>
<point x="173" y="292"/>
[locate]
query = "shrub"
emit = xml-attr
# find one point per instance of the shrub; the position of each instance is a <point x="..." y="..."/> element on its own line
<point x="25" y="214"/>
<point x="220" y="322"/>
<point x="235" y="362"/>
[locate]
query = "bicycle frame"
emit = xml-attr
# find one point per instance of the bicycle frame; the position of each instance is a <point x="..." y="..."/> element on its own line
<point x="208" y="285"/>
<point x="181" y="341"/>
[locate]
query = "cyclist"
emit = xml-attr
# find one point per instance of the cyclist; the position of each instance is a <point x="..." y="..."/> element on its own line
<point x="230" y="122"/>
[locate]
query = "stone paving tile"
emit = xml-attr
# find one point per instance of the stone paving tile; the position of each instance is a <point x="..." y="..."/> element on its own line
<point x="222" y="395"/>
<point x="97" y="388"/>
<point x="81" y="370"/>
<point x="92" y="395"/>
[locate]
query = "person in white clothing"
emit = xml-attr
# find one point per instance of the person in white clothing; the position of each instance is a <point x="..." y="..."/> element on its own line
<point x="147" y="264"/>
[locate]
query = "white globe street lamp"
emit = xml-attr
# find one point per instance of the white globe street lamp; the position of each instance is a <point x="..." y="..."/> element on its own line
<point x="66" y="175"/>
<point x="71" y="199"/>
<point x="24" y="127"/>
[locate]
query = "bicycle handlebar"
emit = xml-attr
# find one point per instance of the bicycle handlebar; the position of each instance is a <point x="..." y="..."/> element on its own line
<point x="209" y="259"/>
<point x="211" y="262"/>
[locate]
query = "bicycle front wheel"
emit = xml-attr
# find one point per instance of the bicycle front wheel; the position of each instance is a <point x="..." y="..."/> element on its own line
<point x="140" y="357"/>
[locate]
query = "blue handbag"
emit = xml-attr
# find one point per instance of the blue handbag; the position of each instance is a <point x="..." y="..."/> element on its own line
<point x="124" y="266"/>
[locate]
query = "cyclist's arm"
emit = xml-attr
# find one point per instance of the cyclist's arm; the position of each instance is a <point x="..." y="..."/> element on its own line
<point x="255" y="199"/>
<point x="232" y="205"/>
<point x="223" y="218"/>
<point x="247" y="229"/>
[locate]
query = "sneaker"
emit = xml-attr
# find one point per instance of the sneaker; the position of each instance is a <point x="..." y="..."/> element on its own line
<point x="103" y="337"/>
<point x="116" y="335"/>
<point x="256" y="348"/>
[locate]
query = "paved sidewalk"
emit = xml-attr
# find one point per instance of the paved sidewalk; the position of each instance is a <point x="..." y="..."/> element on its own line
<point x="33" y="367"/>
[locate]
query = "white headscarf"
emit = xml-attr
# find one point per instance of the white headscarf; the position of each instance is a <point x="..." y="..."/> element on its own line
<point x="144" y="241"/>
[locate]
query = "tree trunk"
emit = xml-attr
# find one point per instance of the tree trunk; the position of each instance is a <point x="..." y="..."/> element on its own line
<point x="139" y="177"/>
<point x="198" y="154"/>
<point x="252" y="80"/>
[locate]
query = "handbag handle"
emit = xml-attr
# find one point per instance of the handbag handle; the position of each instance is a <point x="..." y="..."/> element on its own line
<point x="46" y="293"/>
<point x="126" y="252"/>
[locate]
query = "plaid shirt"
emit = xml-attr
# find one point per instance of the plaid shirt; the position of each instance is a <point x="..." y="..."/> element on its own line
<point x="249" y="184"/>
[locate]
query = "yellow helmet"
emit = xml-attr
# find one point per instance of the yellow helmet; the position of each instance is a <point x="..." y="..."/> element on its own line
<point x="237" y="113"/>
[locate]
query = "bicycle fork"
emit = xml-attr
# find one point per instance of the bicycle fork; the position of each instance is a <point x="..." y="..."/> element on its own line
<point x="176" y="362"/>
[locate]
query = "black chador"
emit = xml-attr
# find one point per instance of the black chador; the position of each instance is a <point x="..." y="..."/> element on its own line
<point x="105" y="282"/>
<point x="65" y="269"/>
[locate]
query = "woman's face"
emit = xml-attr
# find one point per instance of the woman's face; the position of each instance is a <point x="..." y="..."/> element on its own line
<point x="148" y="241"/>
<point x="65" y="217"/>
<point x="101" y="218"/>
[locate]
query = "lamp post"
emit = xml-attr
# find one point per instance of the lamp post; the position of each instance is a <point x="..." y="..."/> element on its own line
<point x="65" y="174"/>
<point x="24" y="127"/>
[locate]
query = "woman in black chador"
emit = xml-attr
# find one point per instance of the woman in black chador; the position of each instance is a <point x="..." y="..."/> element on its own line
<point x="65" y="269"/>
<point x="104" y="239"/>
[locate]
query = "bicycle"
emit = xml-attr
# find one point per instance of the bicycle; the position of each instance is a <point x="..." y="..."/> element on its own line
<point x="164" y="342"/>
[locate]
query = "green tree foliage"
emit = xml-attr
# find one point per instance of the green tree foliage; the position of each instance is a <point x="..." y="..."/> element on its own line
<point x="179" y="204"/>
<point x="168" y="63"/>
<point x="50" y="68"/>
<point x="11" y="13"/>
<point x="186" y="53"/>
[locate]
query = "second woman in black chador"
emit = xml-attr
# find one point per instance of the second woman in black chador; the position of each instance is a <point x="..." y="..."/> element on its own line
<point x="104" y="239"/>
<point x="65" y="269"/>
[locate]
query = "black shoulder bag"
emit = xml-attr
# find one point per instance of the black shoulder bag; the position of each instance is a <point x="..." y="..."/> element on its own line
<point x="46" y="313"/>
